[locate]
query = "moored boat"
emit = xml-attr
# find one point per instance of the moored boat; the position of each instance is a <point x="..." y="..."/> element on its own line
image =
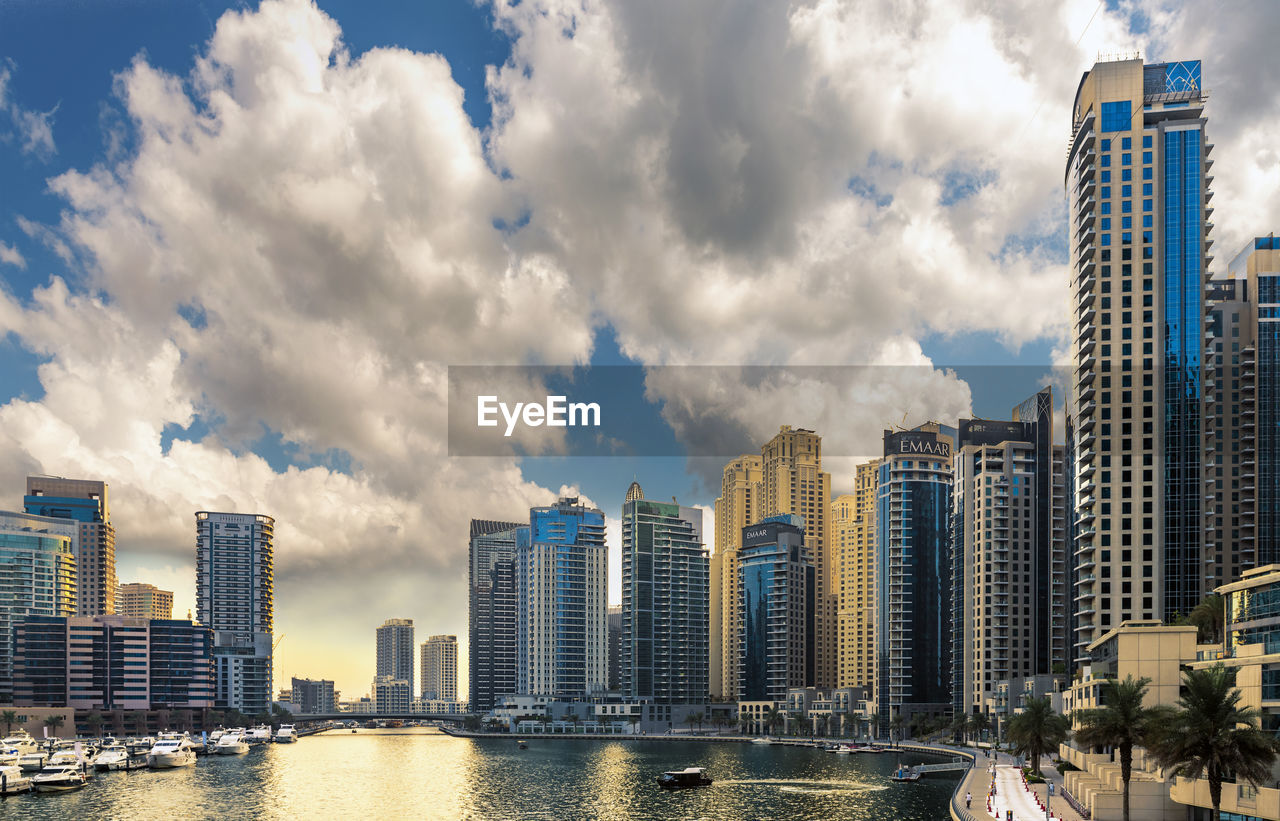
<point x="286" y="734"/>
<point x="59" y="778"/>
<point x="113" y="757"/>
<point x="905" y="774"/>
<point x="231" y="744"/>
<point x="762" y="741"/>
<point x="684" y="779"/>
<point x="258" y="735"/>
<point x="169" y="753"/>
<point x="13" y="780"/>
<point x="34" y="761"/>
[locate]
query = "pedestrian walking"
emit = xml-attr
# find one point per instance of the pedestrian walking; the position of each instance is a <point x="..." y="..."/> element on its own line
<point x="968" y="800"/>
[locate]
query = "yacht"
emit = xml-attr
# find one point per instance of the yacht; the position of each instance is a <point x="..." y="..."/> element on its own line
<point x="762" y="741"/>
<point x="13" y="780"/>
<point x="286" y="734"/>
<point x="9" y="755"/>
<point x="113" y="757"/>
<point x="258" y="735"/>
<point x="59" y="778"/>
<point x="34" y="761"/>
<point x="684" y="779"/>
<point x="22" y="742"/>
<point x="231" y="744"/>
<point x="171" y="752"/>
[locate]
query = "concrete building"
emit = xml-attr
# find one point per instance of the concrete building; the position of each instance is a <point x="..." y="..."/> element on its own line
<point x="914" y="575"/>
<point x="392" y="695"/>
<point x="665" y="601"/>
<point x="235" y="596"/>
<point x="853" y="538"/>
<point x="395" y="651"/>
<point x="1009" y="584"/>
<point x="1137" y="178"/>
<point x="83" y="501"/>
<point x="440" y="668"/>
<point x="776" y="583"/>
<point x="561" y="592"/>
<point x="740" y="503"/>
<point x="112" y="663"/>
<point x="139" y="600"/>
<point x="313" y="695"/>
<point x="491" y="610"/>
<point x="37" y="577"/>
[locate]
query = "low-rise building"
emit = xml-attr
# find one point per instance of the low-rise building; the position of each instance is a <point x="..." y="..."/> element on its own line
<point x="313" y="695"/>
<point x="392" y="695"/>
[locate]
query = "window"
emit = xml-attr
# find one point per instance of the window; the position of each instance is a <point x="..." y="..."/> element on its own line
<point x="1146" y="189"/>
<point x="1115" y="116"/>
<point x="1106" y="176"/>
<point x="1106" y="145"/>
<point x="1146" y="141"/>
<point x="1106" y="160"/>
<point x="1126" y="175"/>
<point x="1126" y="159"/>
<point x="1146" y="155"/>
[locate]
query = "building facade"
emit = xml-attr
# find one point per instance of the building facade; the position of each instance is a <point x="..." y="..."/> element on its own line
<point x="914" y="574"/>
<point x="235" y="596"/>
<point x="84" y="502"/>
<point x="395" y="650"/>
<point x="853" y="538"/>
<point x="562" y="588"/>
<point x="614" y="615"/>
<point x="740" y="503"/>
<point x="138" y="600"/>
<point x="392" y="695"/>
<point x="665" y="602"/>
<point x="314" y="695"/>
<point x="1138" y="189"/>
<point x="491" y="610"/>
<point x="776" y="583"/>
<point x="37" y="577"/>
<point x="440" y="668"/>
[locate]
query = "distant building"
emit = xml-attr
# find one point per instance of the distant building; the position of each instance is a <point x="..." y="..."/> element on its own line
<point x="37" y="577"/>
<point x="853" y="538"/>
<point x="740" y="503"/>
<point x="665" y="588"/>
<point x="395" y="650"/>
<point x="235" y="596"/>
<point x="776" y="601"/>
<point x="491" y="619"/>
<point x="138" y="600"/>
<point x="112" y="663"/>
<point x="313" y="695"/>
<point x="392" y="695"/>
<point x="440" y="668"/>
<point x="83" y="501"/>
<point x="615" y="648"/>
<point x="561" y="643"/>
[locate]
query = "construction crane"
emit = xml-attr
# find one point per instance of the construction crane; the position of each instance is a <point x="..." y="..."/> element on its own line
<point x="277" y="644"/>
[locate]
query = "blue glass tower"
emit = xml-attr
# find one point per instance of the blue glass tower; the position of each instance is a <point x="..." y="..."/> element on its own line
<point x="776" y="601"/>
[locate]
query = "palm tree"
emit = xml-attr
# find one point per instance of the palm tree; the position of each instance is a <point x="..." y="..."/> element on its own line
<point x="691" y="719"/>
<point x="978" y="724"/>
<point x="1037" y="730"/>
<point x="1210" y="616"/>
<point x="54" y="723"/>
<point x="572" y="716"/>
<point x="1121" y="723"/>
<point x="1211" y="735"/>
<point x="772" y="719"/>
<point x="798" y="718"/>
<point x="959" y="727"/>
<point x="895" y="727"/>
<point x="9" y="717"/>
<point x="94" y="722"/>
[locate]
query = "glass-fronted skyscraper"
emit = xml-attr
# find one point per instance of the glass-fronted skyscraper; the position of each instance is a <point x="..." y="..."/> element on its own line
<point x="777" y="584"/>
<point x="83" y="501"/>
<point x="491" y="618"/>
<point x="561" y="593"/>
<point x="395" y="649"/>
<point x="37" y="578"/>
<point x="1138" y="185"/>
<point x="665" y="602"/>
<point x="913" y="574"/>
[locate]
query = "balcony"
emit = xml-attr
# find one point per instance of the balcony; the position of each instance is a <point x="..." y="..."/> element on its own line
<point x="1089" y="360"/>
<point x="1086" y="236"/>
<point x="1087" y="253"/>
<point x="1087" y="332"/>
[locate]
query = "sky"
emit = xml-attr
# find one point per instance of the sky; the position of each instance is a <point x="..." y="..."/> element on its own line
<point x="242" y="245"/>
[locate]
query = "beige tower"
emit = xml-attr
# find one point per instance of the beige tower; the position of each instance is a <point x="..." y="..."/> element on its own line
<point x="853" y="538"/>
<point x="740" y="504"/>
<point x="795" y="483"/>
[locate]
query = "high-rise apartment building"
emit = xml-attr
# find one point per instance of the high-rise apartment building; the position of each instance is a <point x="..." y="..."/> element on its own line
<point x="561" y="586"/>
<point x="37" y="577"/>
<point x="1009" y="588"/>
<point x="395" y="651"/>
<point x="1242" y="396"/>
<point x="83" y="501"/>
<point x="440" y="668"/>
<point x="665" y="601"/>
<point x="491" y="611"/>
<point x="1137" y="178"/>
<point x="913" y="574"/>
<point x="235" y="596"/>
<point x="740" y="503"/>
<point x="777" y="583"/>
<point x="139" y="600"/>
<point x="853" y="539"/>
<point x="614" y="615"/>
<point x="314" y="695"/>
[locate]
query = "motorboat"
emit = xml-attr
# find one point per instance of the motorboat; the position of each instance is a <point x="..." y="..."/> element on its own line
<point x="684" y="779"/>
<point x="34" y="761"/>
<point x="113" y="757"/>
<point x="286" y="734"/>
<point x="22" y="742"/>
<point x="762" y="741"/>
<point x="169" y="753"/>
<point x="13" y="780"/>
<point x="258" y="735"/>
<point x="905" y="774"/>
<point x="59" y="778"/>
<point x="9" y="755"/>
<point x="231" y="744"/>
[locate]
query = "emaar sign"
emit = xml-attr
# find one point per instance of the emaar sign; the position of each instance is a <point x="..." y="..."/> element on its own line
<point x="916" y="443"/>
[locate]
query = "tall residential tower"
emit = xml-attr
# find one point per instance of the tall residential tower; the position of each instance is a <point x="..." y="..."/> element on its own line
<point x="83" y="501"/>
<point x="491" y="619"/>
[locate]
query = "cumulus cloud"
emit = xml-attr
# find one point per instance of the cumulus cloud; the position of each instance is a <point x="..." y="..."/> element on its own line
<point x="10" y="255"/>
<point x="34" y="129"/>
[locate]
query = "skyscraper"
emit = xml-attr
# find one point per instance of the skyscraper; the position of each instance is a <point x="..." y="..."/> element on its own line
<point x="144" y="601"/>
<point x="491" y="619"/>
<point x="37" y="577"/>
<point x="777" y="581"/>
<point x="440" y="668"/>
<point x="913" y="574"/>
<point x="665" y="601"/>
<point x="314" y="695"/>
<point x="395" y="651"/>
<point x="561" y="584"/>
<point x="235" y="595"/>
<point x="741" y="502"/>
<point x="85" y="502"/>
<point x="1136" y="178"/>
<point x="853" y="539"/>
<point x="614" y="615"/>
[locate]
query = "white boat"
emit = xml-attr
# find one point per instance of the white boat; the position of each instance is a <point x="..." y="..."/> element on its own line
<point x="9" y="756"/>
<point x="113" y="757"/>
<point x="231" y="744"/>
<point x="762" y="741"/>
<point x="13" y="780"/>
<point x="22" y="742"/>
<point x="59" y="778"/>
<point x="33" y="762"/>
<point x="258" y="735"/>
<point x="286" y="734"/>
<point x="169" y="753"/>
